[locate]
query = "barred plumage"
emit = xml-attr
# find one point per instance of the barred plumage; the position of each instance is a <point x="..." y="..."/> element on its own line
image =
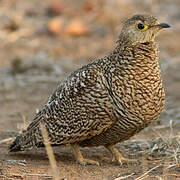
<point x="108" y="100"/>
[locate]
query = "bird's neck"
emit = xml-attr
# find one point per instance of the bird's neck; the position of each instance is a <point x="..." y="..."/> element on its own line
<point x="141" y="52"/>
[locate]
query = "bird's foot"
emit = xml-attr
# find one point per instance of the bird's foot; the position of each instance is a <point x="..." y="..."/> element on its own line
<point x="122" y="160"/>
<point x="81" y="160"/>
<point x="117" y="157"/>
<point x="85" y="162"/>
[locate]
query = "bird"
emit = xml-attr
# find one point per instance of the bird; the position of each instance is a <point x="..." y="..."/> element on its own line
<point x="106" y="101"/>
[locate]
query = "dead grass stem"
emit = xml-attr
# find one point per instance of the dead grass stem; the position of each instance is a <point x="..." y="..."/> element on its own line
<point x="49" y="151"/>
<point x="147" y="172"/>
<point x="7" y="140"/>
<point x="124" y="177"/>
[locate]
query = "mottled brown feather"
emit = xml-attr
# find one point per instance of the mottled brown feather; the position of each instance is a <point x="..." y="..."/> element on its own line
<point x="108" y="100"/>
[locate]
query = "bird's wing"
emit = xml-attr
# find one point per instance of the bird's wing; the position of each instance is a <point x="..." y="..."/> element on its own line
<point x="80" y="107"/>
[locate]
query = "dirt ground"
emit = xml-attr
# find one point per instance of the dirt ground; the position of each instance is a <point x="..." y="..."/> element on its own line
<point x="39" y="48"/>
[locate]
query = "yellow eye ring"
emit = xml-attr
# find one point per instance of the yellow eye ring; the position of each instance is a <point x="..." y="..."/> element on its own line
<point x="141" y="27"/>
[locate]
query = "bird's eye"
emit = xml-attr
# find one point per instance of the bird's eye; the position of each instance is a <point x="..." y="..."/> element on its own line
<point x="141" y="27"/>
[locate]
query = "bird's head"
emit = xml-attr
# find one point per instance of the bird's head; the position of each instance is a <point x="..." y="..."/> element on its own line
<point x="141" y="29"/>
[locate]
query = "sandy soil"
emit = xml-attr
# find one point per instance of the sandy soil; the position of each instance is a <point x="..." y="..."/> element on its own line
<point x="33" y="61"/>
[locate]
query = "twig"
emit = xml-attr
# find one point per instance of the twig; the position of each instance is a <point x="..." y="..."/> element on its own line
<point x="170" y="166"/>
<point x="24" y="122"/>
<point x="171" y="128"/>
<point x="124" y="177"/>
<point x="161" y="127"/>
<point x="49" y="151"/>
<point x="146" y="173"/>
<point x="44" y="175"/>
<point x="7" y="140"/>
<point x="173" y="175"/>
<point x="175" y="157"/>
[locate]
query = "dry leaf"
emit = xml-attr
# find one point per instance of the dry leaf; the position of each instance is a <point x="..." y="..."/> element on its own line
<point x="55" y="26"/>
<point x="76" y="27"/>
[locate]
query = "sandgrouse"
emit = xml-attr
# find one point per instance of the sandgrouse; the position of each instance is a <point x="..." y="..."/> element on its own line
<point x="106" y="101"/>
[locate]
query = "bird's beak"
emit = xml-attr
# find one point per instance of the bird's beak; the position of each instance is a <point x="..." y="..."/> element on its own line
<point x="163" y="25"/>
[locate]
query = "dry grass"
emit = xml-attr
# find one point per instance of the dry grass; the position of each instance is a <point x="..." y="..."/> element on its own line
<point x="7" y="140"/>
<point x="124" y="177"/>
<point x="49" y="151"/>
<point x="171" y="151"/>
<point x="172" y="144"/>
<point x="144" y="175"/>
<point x="168" y="159"/>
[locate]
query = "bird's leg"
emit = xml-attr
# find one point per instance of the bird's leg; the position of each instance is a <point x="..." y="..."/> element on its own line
<point x="116" y="155"/>
<point x="80" y="158"/>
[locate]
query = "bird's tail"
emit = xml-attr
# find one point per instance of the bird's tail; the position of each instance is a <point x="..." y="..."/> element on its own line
<point x="15" y="146"/>
<point x="30" y="138"/>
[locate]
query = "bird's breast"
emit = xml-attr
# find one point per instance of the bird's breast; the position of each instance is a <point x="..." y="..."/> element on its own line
<point x="138" y="92"/>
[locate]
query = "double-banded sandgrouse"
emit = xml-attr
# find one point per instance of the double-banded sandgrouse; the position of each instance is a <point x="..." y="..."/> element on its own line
<point x="108" y="100"/>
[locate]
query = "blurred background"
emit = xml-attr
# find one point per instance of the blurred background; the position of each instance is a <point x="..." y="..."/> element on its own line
<point x="41" y="42"/>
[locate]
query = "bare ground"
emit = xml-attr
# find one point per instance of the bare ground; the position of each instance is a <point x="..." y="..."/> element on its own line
<point x="26" y="81"/>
